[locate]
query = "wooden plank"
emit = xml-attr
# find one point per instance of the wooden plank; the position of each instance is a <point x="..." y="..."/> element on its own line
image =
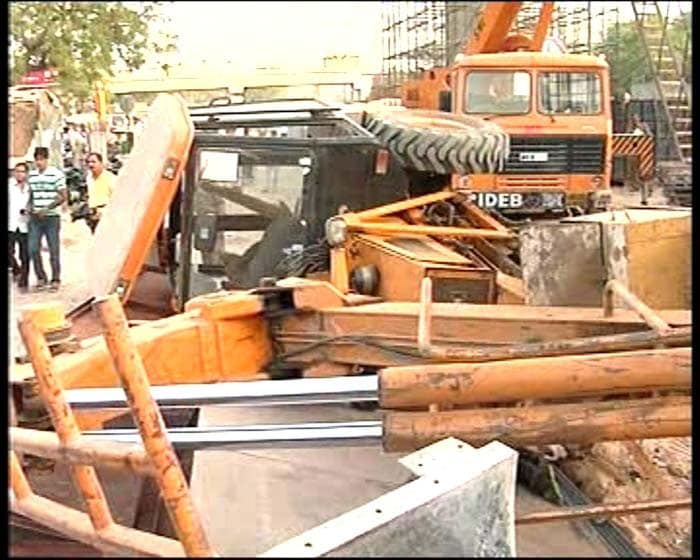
<point x="580" y="423"/>
<point x="537" y="378"/>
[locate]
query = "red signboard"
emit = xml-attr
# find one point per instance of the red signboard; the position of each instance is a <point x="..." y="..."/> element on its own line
<point x="39" y="77"/>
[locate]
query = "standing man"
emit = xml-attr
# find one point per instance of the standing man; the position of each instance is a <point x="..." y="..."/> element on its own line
<point x="637" y="127"/>
<point x="100" y="187"/>
<point x="48" y="191"/>
<point x="18" y="224"/>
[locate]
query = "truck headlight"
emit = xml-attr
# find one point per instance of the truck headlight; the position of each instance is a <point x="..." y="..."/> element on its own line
<point x="336" y="231"/>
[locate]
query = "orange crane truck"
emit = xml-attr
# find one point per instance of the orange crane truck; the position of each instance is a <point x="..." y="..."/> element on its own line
<point x="554" y="106"/>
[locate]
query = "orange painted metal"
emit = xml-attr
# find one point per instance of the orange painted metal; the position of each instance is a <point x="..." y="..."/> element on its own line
<point x="97" y="528"/>
<point x="142" y="196"/>
<point x="511" y="290"/>
<point x="534" y="123"/>
<point x="169" y="475"/>
<point x="314" y="294"/>
<point x="18" y="482"/>
<point x="51" y="391"/>
<point x="485" y="327"/>
<point x="96" y="453"/>
<point x="560" y="378"/>
<point x="565" y="347"/>
<point x="396" y="207"/>
<point x="114" y="540"/>
<point x="543" y="22"/>
<point x="378" y="228"/>
<point x="401" y="265"/>
<point x="579" y="423"/>
<point x="396" y="241"/>
<point x="479" y="217"/>
<point x="184" y="348"/>
<point x="340" y="275"/>
<point x="495" y="24"/>
<point x="218" y="306"/>
<point x="425" y="91"/>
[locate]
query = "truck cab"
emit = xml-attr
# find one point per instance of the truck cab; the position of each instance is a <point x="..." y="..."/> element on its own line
<point x="556" y="109"/>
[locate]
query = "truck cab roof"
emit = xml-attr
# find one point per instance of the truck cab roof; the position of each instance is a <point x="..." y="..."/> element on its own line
<point x="525" y="60"/>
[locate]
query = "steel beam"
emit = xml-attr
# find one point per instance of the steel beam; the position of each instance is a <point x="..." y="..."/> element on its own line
<point x="260" y="436"/>
<point x="239" y="393"/>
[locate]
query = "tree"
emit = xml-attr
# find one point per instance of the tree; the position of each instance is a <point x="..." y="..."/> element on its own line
<point x="625" y="52"/>
<point x="82" y="41"/>
<point x="680" y="37"/>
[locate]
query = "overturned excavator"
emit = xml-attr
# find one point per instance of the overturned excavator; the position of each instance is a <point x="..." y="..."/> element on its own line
<point x="441" y="356"/>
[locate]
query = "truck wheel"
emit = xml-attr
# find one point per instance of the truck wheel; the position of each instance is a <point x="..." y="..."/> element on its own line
<point x="439" y="142"/>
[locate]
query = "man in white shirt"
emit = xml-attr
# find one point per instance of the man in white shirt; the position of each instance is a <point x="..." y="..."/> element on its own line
<point x="18" y="224"/>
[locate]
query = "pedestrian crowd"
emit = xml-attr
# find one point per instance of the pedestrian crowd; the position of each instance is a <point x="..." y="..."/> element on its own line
<point x="37" y="195"/>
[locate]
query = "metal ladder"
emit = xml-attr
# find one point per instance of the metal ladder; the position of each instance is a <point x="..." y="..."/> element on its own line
<point x="669" y="68"/>
<point x="156" y="458"/>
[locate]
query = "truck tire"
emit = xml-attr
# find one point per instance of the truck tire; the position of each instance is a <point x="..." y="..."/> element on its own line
<point x="439" y="142"/>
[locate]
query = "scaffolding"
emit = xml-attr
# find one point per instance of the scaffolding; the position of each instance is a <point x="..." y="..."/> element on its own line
<point x="417" y="36"/>
<point x="413" y="40"/>
<point x="420" y="35"/>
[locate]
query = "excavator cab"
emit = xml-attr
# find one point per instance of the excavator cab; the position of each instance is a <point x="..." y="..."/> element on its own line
<point x="260" y="183"/>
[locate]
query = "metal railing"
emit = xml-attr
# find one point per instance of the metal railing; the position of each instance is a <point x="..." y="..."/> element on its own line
<point x="640" y="16"/>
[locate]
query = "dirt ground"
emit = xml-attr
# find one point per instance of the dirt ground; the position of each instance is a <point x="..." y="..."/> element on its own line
<point x="652" y="469"/>
<point x="607" y="473"/>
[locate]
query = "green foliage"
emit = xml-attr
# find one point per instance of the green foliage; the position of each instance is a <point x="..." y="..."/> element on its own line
<point x="680" y="37"/>
<point x="624" y="51"/>
<point x="82" y="40"/>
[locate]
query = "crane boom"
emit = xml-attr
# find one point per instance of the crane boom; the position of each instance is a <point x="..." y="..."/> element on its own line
<point x="494" y="35"/>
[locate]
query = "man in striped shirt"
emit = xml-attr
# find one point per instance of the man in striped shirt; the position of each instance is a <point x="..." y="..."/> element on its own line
<point x="47" y="186"/>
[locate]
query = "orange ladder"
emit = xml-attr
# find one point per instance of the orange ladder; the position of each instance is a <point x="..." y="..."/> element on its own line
<point x="156" y="458"/>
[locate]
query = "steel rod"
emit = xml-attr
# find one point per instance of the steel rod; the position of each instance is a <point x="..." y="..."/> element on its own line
<point x="51" y="391"/>
<point x="239" y="393"/>
<point x="169" y="476"/>
<point x="83" y="452"/>
<point x="602" y="510"/>
<point x="262" y="436"/>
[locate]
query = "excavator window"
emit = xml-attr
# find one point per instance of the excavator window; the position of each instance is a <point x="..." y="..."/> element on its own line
<point x="569" y="93"/>
<point x="497" y="92"/>
<point x="247" y="205"/>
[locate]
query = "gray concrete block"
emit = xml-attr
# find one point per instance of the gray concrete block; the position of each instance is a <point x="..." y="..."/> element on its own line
<point x="462" y="504"/>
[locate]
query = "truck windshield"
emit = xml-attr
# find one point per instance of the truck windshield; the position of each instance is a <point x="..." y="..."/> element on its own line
<point x="569" y="93"/>
<point x="497" y="92"/>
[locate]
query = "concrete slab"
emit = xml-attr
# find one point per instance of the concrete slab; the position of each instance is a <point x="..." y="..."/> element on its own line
<point x="251" y="501"/>
<point x="461" y="504"/>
